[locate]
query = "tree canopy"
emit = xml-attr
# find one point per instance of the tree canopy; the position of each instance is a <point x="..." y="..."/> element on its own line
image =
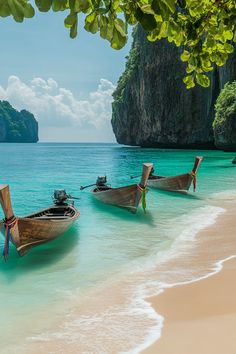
<point x="206" y="29"/>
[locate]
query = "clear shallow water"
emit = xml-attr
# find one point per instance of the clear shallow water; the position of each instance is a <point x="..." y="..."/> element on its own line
<point x="106" y="240"/>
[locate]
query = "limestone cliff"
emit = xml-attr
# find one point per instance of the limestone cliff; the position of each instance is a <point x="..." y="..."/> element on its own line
<point x="152" y="107"/>
<point x="17" y="127"/>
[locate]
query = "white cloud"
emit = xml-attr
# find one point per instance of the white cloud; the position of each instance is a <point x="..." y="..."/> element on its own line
<point x="54" y="106"/>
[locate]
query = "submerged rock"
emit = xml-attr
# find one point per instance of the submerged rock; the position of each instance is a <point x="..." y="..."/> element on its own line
<point x="17" y="127"/>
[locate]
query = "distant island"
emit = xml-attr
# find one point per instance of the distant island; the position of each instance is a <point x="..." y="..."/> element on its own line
<point x="17" y="127"/>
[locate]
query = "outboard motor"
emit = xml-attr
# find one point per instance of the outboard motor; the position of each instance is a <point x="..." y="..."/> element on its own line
<point x="101" y="181"/>
<point x="60" y="196"/>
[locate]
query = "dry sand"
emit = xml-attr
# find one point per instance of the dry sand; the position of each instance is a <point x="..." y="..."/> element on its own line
<point x="200" y="317"/>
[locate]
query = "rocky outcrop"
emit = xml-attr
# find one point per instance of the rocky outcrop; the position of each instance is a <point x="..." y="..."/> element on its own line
<point x="17" y="127"/>
<point x="225" y="136"/>
<point x="153" y="108"/>
<point x="225" y="119"/>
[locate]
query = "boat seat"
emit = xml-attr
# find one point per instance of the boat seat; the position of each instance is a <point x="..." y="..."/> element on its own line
<point x="51" y="217"/>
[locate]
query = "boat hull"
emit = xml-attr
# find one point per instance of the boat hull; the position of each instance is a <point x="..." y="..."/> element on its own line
<point x="127" y="197"/>
<point x="31" y="230"/>
<point x="180" y="183"/>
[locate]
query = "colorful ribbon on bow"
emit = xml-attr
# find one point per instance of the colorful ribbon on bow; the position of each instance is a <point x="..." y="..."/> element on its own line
<point x="194" y="177"/>
<point x="9" y="224"/>
<point x="143" y="196"/>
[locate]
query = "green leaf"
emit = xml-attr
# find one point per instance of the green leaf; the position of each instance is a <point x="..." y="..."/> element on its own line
<point x="185" y="56"/>
<point x="4" y="10"/>
<point x="170" y="4"/>
<point x="29" y="11"/>
<point x="115" y="5"/>
<point x="91" y="23"/>
<point x="164" y="29"/>
<point x="174" y="28"/>
<point x="82" y="6"/>
<point x="73" y="30"/>
<point x="70" y="20"/>
<point x="219" y="58"/>
<point x="161" y="9"/>
<point x="203" y="80"/>
<point x="43" y="5"/>
<point x="59" y="5"/>
<point x="190" y="69"/>
<point x="147" y="21"/>
<point x="17" y="10"/>
<point x="189" y="81"/>
<point x="120" y="26"/>
<point x="118" y="41"/>
<point x="228" y="35"/>
<point x="228" y="48"/>
<point x="234" y="39"/>
<point x="210" y="43"/>
<point x="130" y="19"/>
<point x="206" y="63"/>
<point x="147" y="9"/>
<point x="154" y="35"/>
<point x="213" y="20"/>
<point x="106" y="28"/>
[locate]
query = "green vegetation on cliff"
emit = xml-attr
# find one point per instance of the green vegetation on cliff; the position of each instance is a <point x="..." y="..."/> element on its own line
<point x="225" y="118"/>
<point x="17" y="126"/>
<point x="130" y="68"/>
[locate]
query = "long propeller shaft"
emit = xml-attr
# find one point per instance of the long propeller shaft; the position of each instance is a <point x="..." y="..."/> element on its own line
<point x="90" y="185"/>
<point x="132" y="177"/>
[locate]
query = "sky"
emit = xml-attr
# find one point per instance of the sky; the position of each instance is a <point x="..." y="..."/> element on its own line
<point x="66" y="83"/>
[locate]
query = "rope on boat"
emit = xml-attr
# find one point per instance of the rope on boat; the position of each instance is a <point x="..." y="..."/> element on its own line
<point x="9" y="224"/>
<point x="194" y="177"/>
<point x="143" y="196"/>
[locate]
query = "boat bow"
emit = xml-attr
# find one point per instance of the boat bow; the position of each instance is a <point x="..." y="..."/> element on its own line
<point x="10" y="221"/>
<point x="193" y="173"/>
<point x="142" y="186"/>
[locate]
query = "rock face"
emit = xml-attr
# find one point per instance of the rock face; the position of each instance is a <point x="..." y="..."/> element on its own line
<point x="17" y="127"/>
<point x="153" y="108"/>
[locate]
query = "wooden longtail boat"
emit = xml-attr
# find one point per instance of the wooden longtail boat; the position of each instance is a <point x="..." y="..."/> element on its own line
<point x="34" y="229"/>
<point x="180" y="183"/>
<point x="127" y="197"/>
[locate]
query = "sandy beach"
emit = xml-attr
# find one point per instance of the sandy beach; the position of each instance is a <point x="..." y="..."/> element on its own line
<point x="200" y="317"/>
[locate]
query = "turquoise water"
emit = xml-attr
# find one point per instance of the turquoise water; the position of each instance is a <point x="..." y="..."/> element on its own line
<point x="106" y="240"/>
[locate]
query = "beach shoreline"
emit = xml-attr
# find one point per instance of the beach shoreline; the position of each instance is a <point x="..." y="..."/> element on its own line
<point x="199" y="316"/>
